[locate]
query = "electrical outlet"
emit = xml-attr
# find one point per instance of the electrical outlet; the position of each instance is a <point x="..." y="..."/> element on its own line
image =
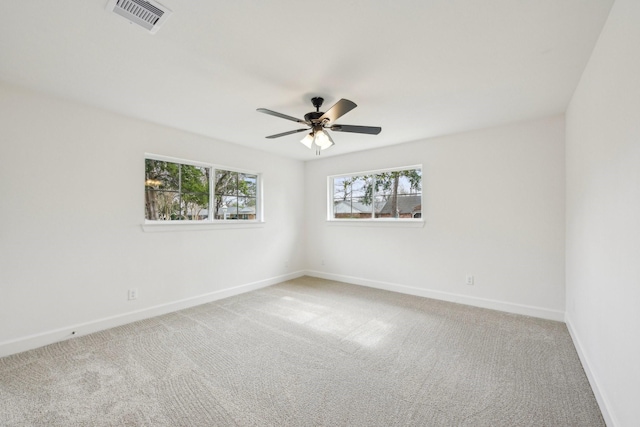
<point x="322" y="262"/>
<point x="133" y="293"/>
<point x="470" y="280"/>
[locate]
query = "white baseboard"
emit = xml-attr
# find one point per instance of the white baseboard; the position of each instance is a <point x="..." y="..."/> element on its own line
<point x="61" y="334"/>
<point x="508" y="307"/>
<point x="602" y="401"/>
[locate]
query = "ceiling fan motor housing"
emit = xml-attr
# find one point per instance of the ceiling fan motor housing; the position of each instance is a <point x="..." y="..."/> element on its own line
<point x="313" y="116"/>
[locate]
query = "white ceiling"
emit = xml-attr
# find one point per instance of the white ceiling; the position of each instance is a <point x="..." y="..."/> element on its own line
<point x="417" y="68"/>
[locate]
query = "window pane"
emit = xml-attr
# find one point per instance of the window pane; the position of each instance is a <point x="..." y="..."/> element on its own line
<point x="194" y="192"/>
<point x="228" y="207"/>
<point x="195" y="206"/>
<point x="247" y="184"/>
<point x="195" y="179"/>
<point x="162" y="175"/>
<point x="352" y="197"/>
<point x="340" y="188"/>
<point x="226" y="183"/>
<point x="162" y="205"/>
<point x="360" y="186"/>
<point x="246" y="208"/>
<point x="351" y="208"/>
<point x="401" y="206"/>
<point x="162" y="182"/>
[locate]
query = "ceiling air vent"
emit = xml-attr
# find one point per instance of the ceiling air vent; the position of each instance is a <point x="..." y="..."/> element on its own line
<point x="148" y="14"/>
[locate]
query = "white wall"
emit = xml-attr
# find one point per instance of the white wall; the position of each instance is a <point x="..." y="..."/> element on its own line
<point x="603" y="216"/>
<point x="72" y="205"/>
<point x="493" y="207"/>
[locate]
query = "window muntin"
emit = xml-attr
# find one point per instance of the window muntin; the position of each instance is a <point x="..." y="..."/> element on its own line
<point x="180" y="191"/>
<point x="383" y="195"/>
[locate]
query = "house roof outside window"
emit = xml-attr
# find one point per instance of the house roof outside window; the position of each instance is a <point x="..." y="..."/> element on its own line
<point x="407" y="204"/>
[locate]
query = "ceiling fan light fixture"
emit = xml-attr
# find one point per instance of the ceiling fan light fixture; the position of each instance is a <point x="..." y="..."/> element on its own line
<point x="308" y="140"/>
<point x="322" y="140"/>
<point x="318" y="139"/>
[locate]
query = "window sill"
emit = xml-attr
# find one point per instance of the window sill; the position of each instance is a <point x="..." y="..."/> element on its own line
<point x="204" y="225"/>
<point x="377" y="223"/>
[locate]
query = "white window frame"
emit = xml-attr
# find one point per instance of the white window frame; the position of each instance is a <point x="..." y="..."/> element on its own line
<point x="372" y="221"/>
<point x="211" y="222"/>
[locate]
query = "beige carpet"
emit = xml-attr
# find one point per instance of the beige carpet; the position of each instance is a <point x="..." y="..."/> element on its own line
<point x="307" y="352"/>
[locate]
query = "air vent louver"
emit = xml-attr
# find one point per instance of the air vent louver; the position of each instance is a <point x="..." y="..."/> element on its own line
<point x="146" y="13"/>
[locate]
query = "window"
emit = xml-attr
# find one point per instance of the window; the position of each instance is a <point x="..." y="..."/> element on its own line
<point x="377" y="195"/>
<point x="235" y="196"/>
<point x="177" y="190"/>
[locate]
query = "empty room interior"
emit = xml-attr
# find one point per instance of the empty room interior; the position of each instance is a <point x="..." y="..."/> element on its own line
<point x="328" y="213"/>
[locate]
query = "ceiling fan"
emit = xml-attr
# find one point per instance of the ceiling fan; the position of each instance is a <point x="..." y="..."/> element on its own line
<point x="318" y="122"/>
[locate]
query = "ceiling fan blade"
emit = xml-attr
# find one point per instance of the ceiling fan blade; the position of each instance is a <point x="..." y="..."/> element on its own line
<point x="282" y="116"/>
<point x="338" y="110"/>
<point x="371" y="130"/>
<point x="278" y="135"/>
